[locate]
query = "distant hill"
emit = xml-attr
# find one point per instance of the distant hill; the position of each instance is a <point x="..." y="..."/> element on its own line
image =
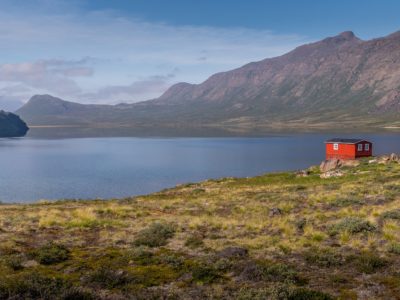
<point x="11" y="125"/>
<point x="338" y="82"/>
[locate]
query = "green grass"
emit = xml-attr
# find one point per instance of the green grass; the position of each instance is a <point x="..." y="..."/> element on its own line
<point x="275" y="236"/>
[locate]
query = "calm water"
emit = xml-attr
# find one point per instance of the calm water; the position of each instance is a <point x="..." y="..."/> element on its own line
<point x="33" y="169"/>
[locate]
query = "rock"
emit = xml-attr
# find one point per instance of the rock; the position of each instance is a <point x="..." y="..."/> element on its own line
<point x="302" y="173"/>
<point x="11" y="125"/>
<point x="350" y="163"/>
<point x="30" y="264"/>
<point x="333" y="173"/>
<point x="373" y="161"/>
<point x="275" y="211"/>
<point x="394" y="157"/>
<point x="331" y="164"/>
<point x="233" y="252"/>
<point x="383" y="159"/>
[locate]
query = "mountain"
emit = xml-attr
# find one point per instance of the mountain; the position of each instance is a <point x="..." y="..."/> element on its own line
<point x="337" y="82"/>
<point x="11" y="125"/>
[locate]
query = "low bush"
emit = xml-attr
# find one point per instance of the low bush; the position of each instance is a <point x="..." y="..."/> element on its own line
<point x="289" y="292"/>
<point x="394" y="248"/>
<point x="51" y="253"/>
<point x="368" y="262"/>
<point x="105" y="277"/>
<point x="204" y="273"/>
<point x="352" y="225"/>
<point x="157" y="234"/>
<point x="141" y="256"/>
<point x="344" y="202"/>
<point x="323" y="257"/>
<point x="266" y="271"/>
<point x="391" y="214"/>
<point x="194" y="241"/>
<point x="14" y="262"/>
<point x="32" y="286"/>
<point x="78" y="294"/>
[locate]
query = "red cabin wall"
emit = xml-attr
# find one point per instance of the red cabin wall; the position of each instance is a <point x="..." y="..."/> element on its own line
<point x="363" y="153"/>
<point x="347" y="151"/>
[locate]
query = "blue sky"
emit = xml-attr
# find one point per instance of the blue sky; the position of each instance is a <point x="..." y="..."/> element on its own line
<point x="102" y="51"/>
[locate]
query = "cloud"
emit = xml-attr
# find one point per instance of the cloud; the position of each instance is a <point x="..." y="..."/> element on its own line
<point x="52" y="75"/>
<point x="150" y="87"/>
<point x="131" y="55"/>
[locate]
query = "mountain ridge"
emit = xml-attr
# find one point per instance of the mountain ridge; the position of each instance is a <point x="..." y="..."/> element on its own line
<point x="340" y="79"/>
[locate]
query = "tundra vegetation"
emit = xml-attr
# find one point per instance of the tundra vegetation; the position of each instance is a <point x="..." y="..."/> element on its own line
<point x="276" y="236"/>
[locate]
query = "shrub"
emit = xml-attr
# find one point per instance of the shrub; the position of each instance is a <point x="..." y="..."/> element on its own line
<point x="259" y="271"/>
<point x="351" y="225"/>
<point x="194" y="241"/>
<point x="323" y="257"/>
<point x="51" y="253"/>
<point x="300" y="224"/>
<point x="391" y="214"/>
<point x="288" y="292"/>
<point x="204" y="273"/>
<point x="108" y="278"/>
<point x="344" y="202"/>
<point x="141" y="256"/>
<point x="394" y="248"/>
<point x="14" y="262"/>
<point x="77" y="294"/>
<point x="368" y="262"/>
<point x="31" y="286"/>
<point x="157" y="234"/>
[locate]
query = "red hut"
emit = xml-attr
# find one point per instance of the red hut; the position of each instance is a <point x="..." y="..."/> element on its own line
<point x="347" y="148"/>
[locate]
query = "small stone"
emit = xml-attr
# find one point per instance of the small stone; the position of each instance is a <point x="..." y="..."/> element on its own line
<point x="302" y="173"/>
<point x="30" y="264"/>
<point x="393" y="157"/>
<point x="275" y="211"/>
<point x="331" y="174"/>
<point x="233" y="252"/>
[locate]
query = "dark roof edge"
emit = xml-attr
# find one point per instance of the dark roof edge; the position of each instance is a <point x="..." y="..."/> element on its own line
<point x="346" y="141"/>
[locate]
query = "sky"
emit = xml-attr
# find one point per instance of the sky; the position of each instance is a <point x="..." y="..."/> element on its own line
<point x="102" y="51"/>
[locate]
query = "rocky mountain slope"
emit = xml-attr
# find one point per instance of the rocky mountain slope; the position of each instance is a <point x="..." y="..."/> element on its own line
<point x="11" y="125"/>
<point x="335" y="82"/>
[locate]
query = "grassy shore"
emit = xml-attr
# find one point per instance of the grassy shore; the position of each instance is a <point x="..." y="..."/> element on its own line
<point x="276" y="236"/>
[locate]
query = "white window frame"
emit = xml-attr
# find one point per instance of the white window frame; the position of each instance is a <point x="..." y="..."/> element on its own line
<point x="366" y="147"/>
<point x="336" y="146"/>
<point x="360" y="147"/>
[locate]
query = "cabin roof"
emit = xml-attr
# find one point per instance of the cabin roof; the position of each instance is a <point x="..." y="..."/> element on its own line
<point x="345" y="141"/>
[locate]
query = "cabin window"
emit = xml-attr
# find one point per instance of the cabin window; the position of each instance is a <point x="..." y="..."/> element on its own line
<point x="366" y="147"/>
<point x="360" y="147"/>
<point x="336" y="146"/>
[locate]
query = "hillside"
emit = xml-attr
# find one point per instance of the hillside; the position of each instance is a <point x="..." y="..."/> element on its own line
<point x="11" y="125"/>
<point x="276" y="236"/>
<point x="338" y="82"/>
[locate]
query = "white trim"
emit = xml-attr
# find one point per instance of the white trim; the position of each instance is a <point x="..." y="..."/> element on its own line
<point x="336" y="146"/>
<point x="366" y="147"/>
<point x="360" y="147"/>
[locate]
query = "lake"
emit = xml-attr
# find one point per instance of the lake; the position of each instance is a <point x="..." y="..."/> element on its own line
<point x="36" y="168"/>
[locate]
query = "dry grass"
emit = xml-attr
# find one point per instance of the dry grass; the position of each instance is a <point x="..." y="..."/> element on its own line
<point x="278" y="218"/>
